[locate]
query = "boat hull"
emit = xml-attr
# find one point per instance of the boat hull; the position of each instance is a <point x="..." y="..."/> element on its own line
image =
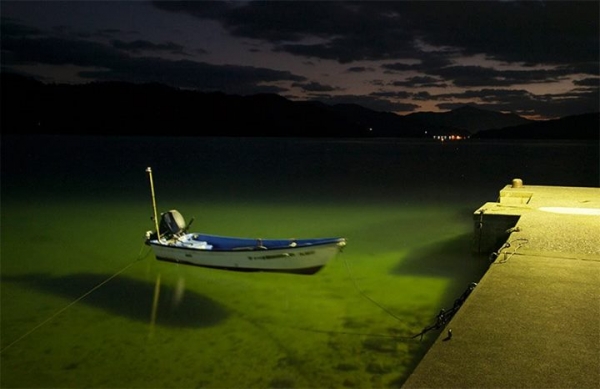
<point x="304" y="258"/>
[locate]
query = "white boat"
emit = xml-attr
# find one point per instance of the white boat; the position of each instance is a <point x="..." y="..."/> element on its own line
<point x="172" y="242"/>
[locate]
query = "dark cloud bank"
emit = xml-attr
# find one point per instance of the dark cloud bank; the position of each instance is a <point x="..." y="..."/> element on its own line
<point x="547" y="42"/>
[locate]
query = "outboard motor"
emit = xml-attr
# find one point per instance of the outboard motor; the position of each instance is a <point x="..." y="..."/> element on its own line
<point x="171" y="224"/>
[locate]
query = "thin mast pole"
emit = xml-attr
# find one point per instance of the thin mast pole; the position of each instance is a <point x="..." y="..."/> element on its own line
<point x="149" y="171"/>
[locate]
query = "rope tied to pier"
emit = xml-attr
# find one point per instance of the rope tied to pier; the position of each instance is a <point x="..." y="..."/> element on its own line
<point x="442" y="318"/>
<point x="445" y="316"/>
<point x="520" y="243"/>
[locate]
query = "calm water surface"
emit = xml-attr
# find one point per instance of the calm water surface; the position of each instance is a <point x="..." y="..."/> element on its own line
<point x="79" y="288"/>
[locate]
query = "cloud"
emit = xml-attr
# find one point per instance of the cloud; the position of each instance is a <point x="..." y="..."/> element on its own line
<point x="60" y="51"/>
<point x="421" y="82"/>
<point x="14" y="28"/>
<point x="468" y="76"/>
<point x="593" y="82"/>
<point x="513" y="31"/>
<point x="427" y="63"/>
<point x="339" y="31"/>
<point x="359" y="69"/>
<point x="393" y="95"/>
<point x="139" y="45"/>
<point x="430" y="40"/>
<point x="525" y="103"/>
<point x="510" y="31"/>
<point x="373" y="102"/>
<point x="488" y="52"/>
<point x="314" y="87"/>
<point x="113" y="62"/>
<point x="197" y="75"/>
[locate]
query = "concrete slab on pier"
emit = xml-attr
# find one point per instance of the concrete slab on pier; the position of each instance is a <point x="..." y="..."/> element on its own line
<point x="533" y="321"/>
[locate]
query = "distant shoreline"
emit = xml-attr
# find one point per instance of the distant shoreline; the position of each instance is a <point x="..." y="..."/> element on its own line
<point x="127" y="109"/>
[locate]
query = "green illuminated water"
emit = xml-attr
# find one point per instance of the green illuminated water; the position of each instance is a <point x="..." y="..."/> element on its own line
<point x="75" y="210"/>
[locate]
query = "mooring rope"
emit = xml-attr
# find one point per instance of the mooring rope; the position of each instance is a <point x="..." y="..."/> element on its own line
<point x="337" y="332"/>
<point x="445" y="316"/>
<point x="367" y="296"/>
<point x="496" y="254"/>
<point x="442" y="318"/>
<point x="78" y="299"/>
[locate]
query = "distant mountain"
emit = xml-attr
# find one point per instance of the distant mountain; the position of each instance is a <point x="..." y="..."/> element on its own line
<point x="152" y="109"/>
<point x="379" y="124"/>
<point x="468" y="118"/>
<point x="586" y="126"/>
<point x="29" y="106"/>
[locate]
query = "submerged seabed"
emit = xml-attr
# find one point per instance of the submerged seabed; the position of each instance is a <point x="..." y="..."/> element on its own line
<point x="74" y="213"/>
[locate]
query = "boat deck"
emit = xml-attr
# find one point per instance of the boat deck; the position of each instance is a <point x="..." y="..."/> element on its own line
<point x="533" y="321"/>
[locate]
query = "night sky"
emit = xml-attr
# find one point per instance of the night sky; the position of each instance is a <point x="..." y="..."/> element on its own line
<point x="539" y="59"/>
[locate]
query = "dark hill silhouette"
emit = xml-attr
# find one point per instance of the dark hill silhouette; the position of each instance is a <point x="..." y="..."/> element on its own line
<point x="379" y="124"/>
<point x="143" y="109"/>
<point x="469" y="118"/>
<point x="583" y="127"/>
<point x="121" y="108"/>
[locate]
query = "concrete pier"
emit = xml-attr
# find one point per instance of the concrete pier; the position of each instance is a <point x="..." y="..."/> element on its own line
<point x="533" y="321"/>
